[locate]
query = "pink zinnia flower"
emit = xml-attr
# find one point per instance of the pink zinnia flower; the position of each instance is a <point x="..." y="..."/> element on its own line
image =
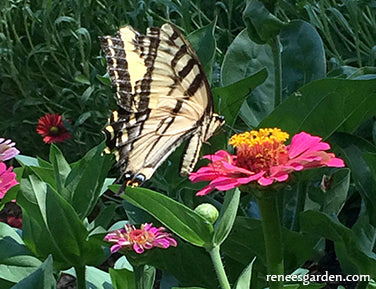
<point x="7" y="179"/>
<point x="263" y="157"/>
<point x="52" y="129"/>
<point x="145" y="238"/>
<point x="7" y="150"/>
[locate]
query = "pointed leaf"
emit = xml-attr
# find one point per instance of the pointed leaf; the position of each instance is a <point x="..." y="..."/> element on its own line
<point x="178" y="218"/>
<point x="227" y="216"/>
<point x="244" y="280"/>
<point x="43" y="277"/>
<point x="85" y="180"/>
<point x="61" y="170"/>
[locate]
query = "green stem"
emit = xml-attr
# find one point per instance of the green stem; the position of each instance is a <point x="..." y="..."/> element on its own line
<point x="219" y="268"/>
<point x="276" y="51"/>
<point x="80" y="277"/>
<point x="271" y="228"/>
<point x="138" y="273"/>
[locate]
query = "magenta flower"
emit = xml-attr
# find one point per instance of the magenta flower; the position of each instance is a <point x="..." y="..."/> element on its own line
<point x="7" y="150"/>
<point x="52" y="128"/>
<point x="145" y="238"/>
<point x="263" y="157"/>
<point x="7" y="179"/>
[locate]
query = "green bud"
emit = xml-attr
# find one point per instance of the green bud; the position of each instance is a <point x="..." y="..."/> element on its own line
<point x="208" y="211"/>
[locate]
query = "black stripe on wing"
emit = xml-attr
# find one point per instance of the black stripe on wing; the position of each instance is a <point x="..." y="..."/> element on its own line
<point x="117" y="67"/>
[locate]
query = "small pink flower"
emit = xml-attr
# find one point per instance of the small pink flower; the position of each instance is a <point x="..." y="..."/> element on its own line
<point x="262" y="156"/>
<point x="145" y="238"/>
<point x="7" y="150"/>
<point x="52" y="129"/>
<point x="7" y="179"/>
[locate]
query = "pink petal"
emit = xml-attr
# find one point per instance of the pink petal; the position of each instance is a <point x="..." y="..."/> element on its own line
<point x="115" y="248"/>
<point x="138" y="249"/>
<point x="208" y="189"/>
<point x="301" y="142"/>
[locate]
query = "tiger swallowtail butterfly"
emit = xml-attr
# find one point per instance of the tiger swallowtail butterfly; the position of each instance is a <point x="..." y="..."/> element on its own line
<point x="163" y="98"/>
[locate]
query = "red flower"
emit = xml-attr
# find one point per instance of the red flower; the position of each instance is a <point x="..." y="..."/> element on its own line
<point x="52" y="129"/>
<point x="7" y="179"/>
<point x="262" y="156"/>
<point x="14" y="222"/>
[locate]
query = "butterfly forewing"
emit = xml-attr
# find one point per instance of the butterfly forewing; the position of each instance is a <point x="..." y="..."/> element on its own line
<point x="163" y="96"/>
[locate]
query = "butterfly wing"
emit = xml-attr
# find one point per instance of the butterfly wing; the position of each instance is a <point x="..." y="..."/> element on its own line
<point x="163" y="96"/>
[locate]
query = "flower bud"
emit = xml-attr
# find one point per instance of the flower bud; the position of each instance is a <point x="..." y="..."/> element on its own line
<point x="207" y="211"/>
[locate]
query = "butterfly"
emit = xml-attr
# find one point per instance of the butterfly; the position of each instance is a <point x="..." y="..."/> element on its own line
<point x="163" y="98"/>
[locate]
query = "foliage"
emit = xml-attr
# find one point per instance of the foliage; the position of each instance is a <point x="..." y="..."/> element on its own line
<point x="265" y="70"/>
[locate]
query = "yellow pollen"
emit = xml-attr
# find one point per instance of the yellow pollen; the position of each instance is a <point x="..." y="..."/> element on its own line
<point x="253" y="137"/>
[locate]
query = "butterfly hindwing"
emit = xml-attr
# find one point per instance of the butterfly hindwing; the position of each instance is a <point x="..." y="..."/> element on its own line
<point x="163" y="96"/>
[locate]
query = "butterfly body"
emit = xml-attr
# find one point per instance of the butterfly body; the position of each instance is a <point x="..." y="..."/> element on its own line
<point x="164" y="99"/>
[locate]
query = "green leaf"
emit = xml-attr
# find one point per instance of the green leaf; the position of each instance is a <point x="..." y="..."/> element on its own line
<point x="311" y="107"/>
<point x="204" y="43"/>
<point x="95" y="278"/>
<point x="104" y="218"/>
<point x="357" y="155"/>
<point x="227" y="216"/>
<point x="353" y="259"/>
<point x="43" y="277"/>
<point x="244" y="280"/>
<point x="243" y="59"/>
<point x="61" y="170"/>
<point x="332" y="199"/>
<point x="122" y="278"/>
<point x="262" y="26"/>
<point x="178" y="218"/>
<point x="51" y="226"/>
<point x="26" y="160"/>
<point x="303" y="55"/>
<point x="233" y="95"/>
<point x="144" y="276"/>
<point x="85" y="180"/>
<point x="16" y="261"/>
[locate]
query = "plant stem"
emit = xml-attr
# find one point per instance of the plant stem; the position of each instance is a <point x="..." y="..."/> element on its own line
<point x="218" y="267"/>
<point x="276" y="51"/>
<point x="80" y="277"/>
<point x="271" y="228"/>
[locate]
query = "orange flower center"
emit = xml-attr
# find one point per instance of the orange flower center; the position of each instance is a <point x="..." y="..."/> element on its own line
<point x="139" y="236"/>
<point x="260" y="150"/>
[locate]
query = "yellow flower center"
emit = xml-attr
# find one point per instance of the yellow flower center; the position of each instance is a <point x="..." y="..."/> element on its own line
<point x="260" y="150"/>
<point x="253" y="137"/>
